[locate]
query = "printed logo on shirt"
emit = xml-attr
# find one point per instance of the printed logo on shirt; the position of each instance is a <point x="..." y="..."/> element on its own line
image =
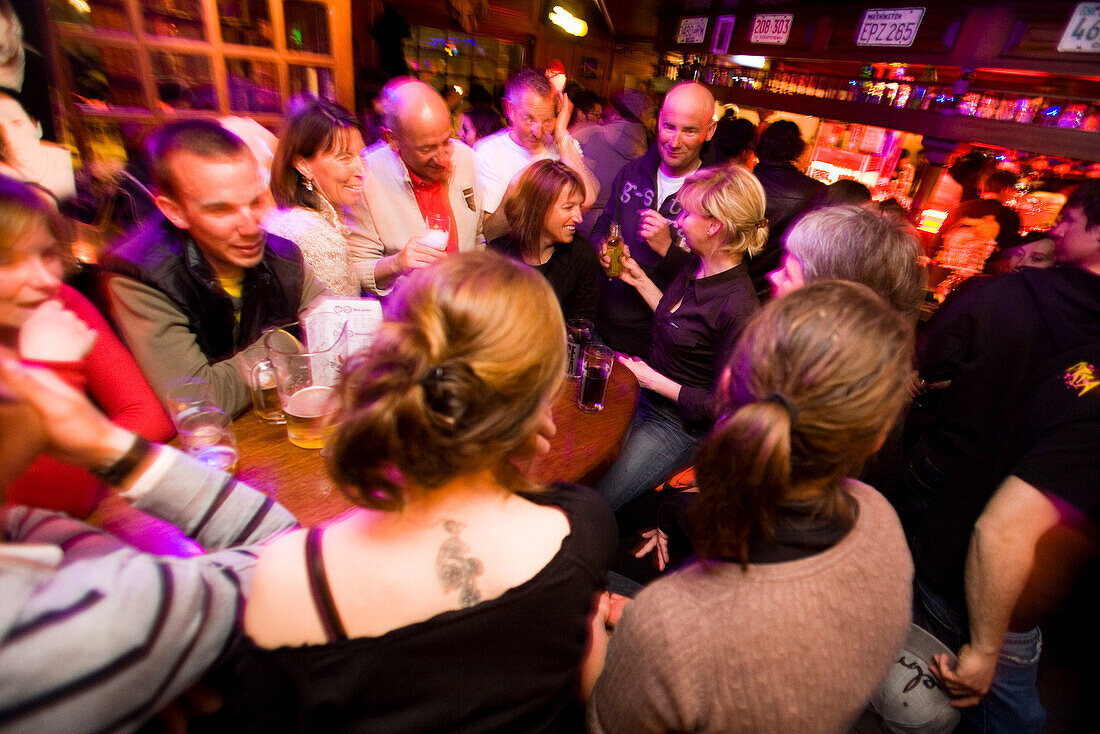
<point x="468" y="194"/>
<point x="1081" y="377"/>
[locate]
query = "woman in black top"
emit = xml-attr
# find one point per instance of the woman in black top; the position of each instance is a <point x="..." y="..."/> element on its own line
<point x="696" y="323"/>
<point x="456" y="596"/>
<point x="543" y="215"/>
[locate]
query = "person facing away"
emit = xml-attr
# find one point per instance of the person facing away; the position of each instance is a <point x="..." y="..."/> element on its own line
<point x="415" y="172"/>
<point x="800" y="597"/>
<point x="316" y="173"/>
<point x="538" y="121"/>
<point x="790" y="193"/>
<point x="50" y="324"/>
<point x="543" y="217"/>
<point x="457" y="595"/>
<point x="96" y="635"/>
<point x="609" y="143"/>
<point x="195" y="287"/>
<point x="643" y="203"/>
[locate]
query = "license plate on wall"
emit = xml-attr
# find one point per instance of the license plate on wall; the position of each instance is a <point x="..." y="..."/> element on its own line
<point x="889" y="27"/>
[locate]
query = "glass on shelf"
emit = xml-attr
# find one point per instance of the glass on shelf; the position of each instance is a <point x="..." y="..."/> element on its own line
<point x="174" y="18"/>
<point x="104" y="14"/>
<point x="246" y="22"/>
<point x="184" y="81"/>
<point x="1027" y="108"/>
<point x="253" y="85"/>
<point x="306" y="26"/>
<point x="103" y="77"/>
<point x="320" y="81"/>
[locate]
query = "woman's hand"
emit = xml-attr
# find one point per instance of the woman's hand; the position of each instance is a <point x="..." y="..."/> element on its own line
<point x="650" y="378"/>
<point x="654" y="539"/>
<point x="52" y="334"/>
<point x="646" y="375"/>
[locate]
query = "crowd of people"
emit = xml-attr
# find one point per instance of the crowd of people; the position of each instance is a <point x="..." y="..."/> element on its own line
<point x="771" y="324"/>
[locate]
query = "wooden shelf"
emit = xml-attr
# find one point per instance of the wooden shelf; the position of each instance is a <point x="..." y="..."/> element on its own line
<point x="945" y="125"/>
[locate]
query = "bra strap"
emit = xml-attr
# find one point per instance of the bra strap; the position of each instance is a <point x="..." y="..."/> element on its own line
<point x="319" y="588"/>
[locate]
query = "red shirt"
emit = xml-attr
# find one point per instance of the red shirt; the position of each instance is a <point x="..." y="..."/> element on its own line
<point x="432" y="199"/>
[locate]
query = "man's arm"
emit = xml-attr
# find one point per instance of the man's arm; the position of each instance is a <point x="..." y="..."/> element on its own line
<point x="365" y="248"/>
<point x="98" y="636"/>
<point x="569" y="150"/>
<point x="161" y="340"/>
<point x="1000" y="561"/>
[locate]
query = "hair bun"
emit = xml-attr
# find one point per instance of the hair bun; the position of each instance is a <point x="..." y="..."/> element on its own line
<point x="448" y="395"/>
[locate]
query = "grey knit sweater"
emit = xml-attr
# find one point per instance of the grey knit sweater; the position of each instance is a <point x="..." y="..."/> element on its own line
<point x="785" y="647"/>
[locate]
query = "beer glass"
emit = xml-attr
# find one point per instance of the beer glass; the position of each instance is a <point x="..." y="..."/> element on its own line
<point x="439" y="231"/>
<point x="596" y="363"/>
<point x="207" y="434"/>
<point x="305" y="379"/>
<point x="186" y="395"/>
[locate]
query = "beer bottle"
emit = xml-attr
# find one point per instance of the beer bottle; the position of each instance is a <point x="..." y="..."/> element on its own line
<point x="614" y="245"/>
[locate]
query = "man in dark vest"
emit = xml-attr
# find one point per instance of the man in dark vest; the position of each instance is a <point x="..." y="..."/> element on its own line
<point x="195" y="287"/>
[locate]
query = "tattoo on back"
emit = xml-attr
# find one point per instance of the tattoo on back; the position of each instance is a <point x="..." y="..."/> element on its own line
<point x="455" y="569"/>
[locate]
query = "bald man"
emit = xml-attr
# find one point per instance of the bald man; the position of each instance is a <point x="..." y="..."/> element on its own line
<point x="643" y="204"/>
<point x="414" y="172"/>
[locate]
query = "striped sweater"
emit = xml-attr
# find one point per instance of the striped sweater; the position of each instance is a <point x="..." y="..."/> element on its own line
<point x="98" y="636"/>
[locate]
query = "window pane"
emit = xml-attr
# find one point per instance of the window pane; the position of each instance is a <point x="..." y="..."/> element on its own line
<point x="253" y="86"/>
<point x="103" y="77"/>
<point x="306" y="26"/>
<point x="110" y="14"/>
<point x="246" y="22"/>
<point x="184" y="81"/>
<point x="317" y="80"/>
<point x="174" y="18"/>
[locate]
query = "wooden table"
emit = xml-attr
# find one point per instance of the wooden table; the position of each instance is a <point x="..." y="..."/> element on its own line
<point x="584" y="447"/>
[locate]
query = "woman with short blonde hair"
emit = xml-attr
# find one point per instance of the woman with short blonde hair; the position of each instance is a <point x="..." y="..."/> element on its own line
<point x="456" y="597"/>
<point x="696" y="323"/>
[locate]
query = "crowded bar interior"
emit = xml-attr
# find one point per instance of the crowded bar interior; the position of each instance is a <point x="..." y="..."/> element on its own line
<point x="566" y="365"/>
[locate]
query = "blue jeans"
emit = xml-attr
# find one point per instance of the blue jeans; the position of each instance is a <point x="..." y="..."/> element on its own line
<point x="657" y="445"/>
<point x="1012" y="704"/>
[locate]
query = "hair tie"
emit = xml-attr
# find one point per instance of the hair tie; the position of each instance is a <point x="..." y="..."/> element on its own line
<point x="780" y="399"/>
<point x="431" y="378"/>
<point x="762" y="223"/>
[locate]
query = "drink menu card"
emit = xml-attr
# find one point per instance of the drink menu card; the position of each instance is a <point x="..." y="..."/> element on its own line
<point x="362" y="316"/>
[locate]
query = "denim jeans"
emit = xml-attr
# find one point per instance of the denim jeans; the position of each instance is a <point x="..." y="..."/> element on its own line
<point x="1012" y="704"/>
<point x="656" y="445"/>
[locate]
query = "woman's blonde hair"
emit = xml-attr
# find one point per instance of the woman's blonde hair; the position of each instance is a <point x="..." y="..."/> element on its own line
<point x="469" y="351"/>
<point x="735" y="198"/>
<point x="817" y="378"/>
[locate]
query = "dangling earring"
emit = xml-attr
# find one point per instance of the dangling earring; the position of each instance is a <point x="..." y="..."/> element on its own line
<point x="309" y="184"/>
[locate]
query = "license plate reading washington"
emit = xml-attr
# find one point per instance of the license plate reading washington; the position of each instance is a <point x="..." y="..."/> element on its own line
<point x="889" y="27"/>
<point x="1083" y="31"/>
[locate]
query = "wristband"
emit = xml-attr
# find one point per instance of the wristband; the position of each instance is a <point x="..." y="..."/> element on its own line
<point x="119" y="470"/>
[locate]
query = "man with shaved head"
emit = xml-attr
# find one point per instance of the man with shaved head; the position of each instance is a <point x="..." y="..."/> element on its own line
<point x="643" y="204"/>
<point x="415" y="171"/>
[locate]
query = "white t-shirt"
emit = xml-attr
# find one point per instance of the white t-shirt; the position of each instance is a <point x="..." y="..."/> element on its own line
<point x="499" y="159"/>
<point x="667" y="186"/>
